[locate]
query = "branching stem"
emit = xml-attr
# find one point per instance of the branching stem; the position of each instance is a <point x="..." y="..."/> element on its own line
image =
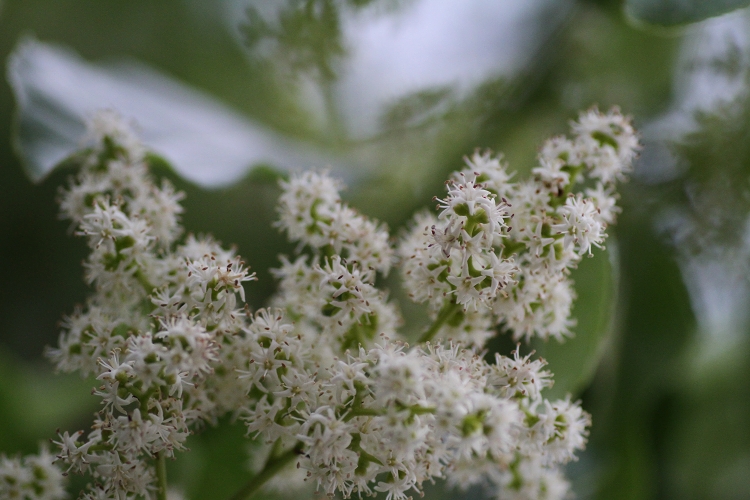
<point x="446" y="313"/>
<point x="272" y="467"/>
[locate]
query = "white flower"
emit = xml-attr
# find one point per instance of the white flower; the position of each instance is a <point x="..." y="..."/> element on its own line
<point x="608" y="142"/>
<point x="107" y="126"/>
<point x="213" y="285"/>
<point x="539" y="305"/>
<point x="605" y="200"/>
<point x="491" y="172"/>
<point x="472" y="207"/>
<point x="396" y="487"/>
<point x="191" y="349"/>
<point x="519" y="376"/>
<point x="114" y="370"/>
<point x="398" y="377"/>
<point x="349" y="289"/>
<point x="33" y="477"/>
<point x="535" y="238"/>
<point x="468" y="294"/>
<point x="580" y="226"/>
<point x="569" y="430"/>
<point x="204" y="247"/>
<point x="146" y="358"/>
<point x="132" y="434"/>
<point x="111" y="398"/>
<point x="120" y="234"/>
<point x="48" y="482"/>
<point x="563" y="149"/>
<point x="551" y="174"/>
<point x="74" y="452"/>
<point x="424" y="267"/>
<point x="306" y="205"/>
<point x="529" y="478"/>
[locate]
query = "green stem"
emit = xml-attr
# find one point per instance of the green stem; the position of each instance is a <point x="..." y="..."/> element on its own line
<point x="446" y="313"/>
<point x="143" y="280"/>
<point x="101" y="447"/>
<point x="161" y="476"/>
<point x="362" y="412"/>
<point x="273" y="466"/>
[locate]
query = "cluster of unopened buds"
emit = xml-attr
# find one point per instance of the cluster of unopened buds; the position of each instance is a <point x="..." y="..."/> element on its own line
<point x="322" y="375"/>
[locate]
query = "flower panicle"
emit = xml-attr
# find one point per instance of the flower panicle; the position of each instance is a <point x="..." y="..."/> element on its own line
<point x="152" y="332"/>
<point x="503" y="250"/>
<point x="324" y="372"/>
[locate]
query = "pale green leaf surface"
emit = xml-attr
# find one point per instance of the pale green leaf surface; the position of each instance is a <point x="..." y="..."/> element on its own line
<point x="209" y="144"/>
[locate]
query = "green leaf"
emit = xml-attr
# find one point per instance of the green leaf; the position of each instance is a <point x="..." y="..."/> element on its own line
<point x="266" y="174"/>
<point x="34" y="402"/>
<point x="158" y="164"/>
<point x="574" y="361"/>
<point x="669" y="13"/>
<point x="204" y="141"/>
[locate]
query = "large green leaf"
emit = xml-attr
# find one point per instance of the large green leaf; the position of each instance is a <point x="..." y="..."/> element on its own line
<point x="207" y="143"/>
<point x="678" y="12"/>
<point x="574" y="361"/>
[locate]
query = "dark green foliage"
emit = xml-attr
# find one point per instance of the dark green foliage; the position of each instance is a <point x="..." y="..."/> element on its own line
<point x="670" y="13"/>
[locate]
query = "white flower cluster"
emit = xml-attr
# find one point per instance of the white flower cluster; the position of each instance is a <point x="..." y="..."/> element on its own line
<point x="327" y="378"/>
<point x="311" y="212"/>
<point x="333" y="290"/>
<point x="33" y="477"/>
<point x="152" y="332"/>
<point x="389" y="418"/>
<point x="502" y="251"/>
<point x="323" y="375"/>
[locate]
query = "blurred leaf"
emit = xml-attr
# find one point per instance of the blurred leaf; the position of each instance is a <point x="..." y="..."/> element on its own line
<point x="209" y="144"/>
<point x="416" y="108"/>
<point x="574" y="361"/>
<point x="157" y="163"/>
<point x="632" y="397"/>
<point x="709" y="439"/>
<point x="308" y="36"/>
<point x="217" y="464"/>
<point x="266" y="174"/>
<point x="679" y="12"/>
<point x="35" y="402"/>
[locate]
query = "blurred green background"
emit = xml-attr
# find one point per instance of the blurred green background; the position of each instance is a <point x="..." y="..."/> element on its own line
<point x="661" y="356"/>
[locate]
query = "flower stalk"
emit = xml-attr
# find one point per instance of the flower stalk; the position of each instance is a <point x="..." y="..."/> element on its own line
<point x="271" y="468"/>
<point x="444" y="316"/>
<point x="161" y="476"/>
